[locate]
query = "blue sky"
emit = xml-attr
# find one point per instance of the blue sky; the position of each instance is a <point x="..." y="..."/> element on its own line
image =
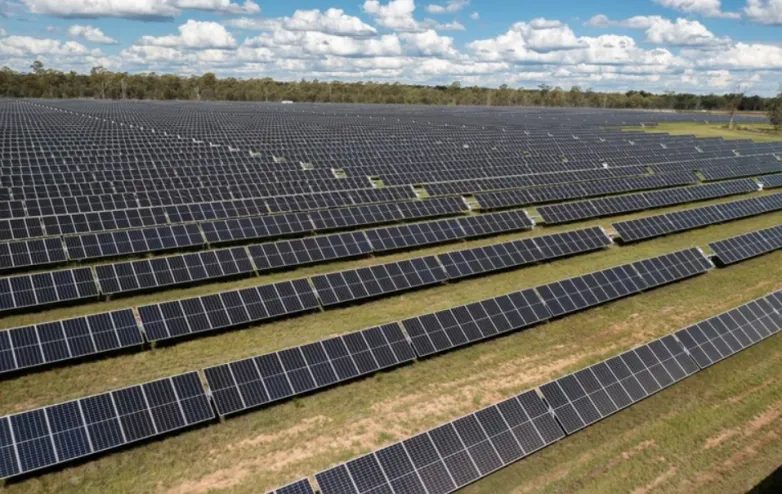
<point x="685" y="45"/>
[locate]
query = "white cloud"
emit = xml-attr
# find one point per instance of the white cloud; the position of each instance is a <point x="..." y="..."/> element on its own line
<point x="332" y="21"/>
<point x="661" y="31"/>
<point x="529" y="41"/>
<point x="131" y="9"/>
<point x="743" y="56"/>
<point x="21" y="46"/>
<point x="135" y="9"/>
<point x="224" y="6"/>
<point x="309" y="44"/>
<point x="396" y="15"/>
<point x="429" y="43"/>
<point x="599" y="20"/>
<point x="475" y="16"/>
<point x="707" y="8"/>
<point x="90" y="33"/>
<point x="764" y="11"/>
<point x="448" y="26"/>
<point x="52" y="29"/>
<point x="2" y="32"/>
<point x="450" y="7"/>
<point x="194" y="34"/>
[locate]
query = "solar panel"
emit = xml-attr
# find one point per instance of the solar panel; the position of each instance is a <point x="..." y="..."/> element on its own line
<point x="578" y="293"/>
<point x="179" y="318"/>
<point x="110" y="244"/>
<point x="771" y="181"/>
<point x="260" y="380"/>
<point x="728" y="333"/>
<point x="654" y="226"/>
<point x="60" y="433"/>
<point x="608" y="206"/>
<point x="429" y="208"/>
<point x="28" y="253"/>
<point x="351" y="285"/>
<point x="407" y="236"/>
<point x="470" y="262"/>
<point x="668" y="268"/>
<point x="42" y="289"/>
<point x="331" y="219"/>
<point x="299" y="252"/>
<point x="597" y="391"/>
<point x="256" y="228"/>
<point x="491" y="223"/>
<point x="299" y="487"/>
<point x="57" y="341"/>
<point x="441" y="331"/>
<point x="20" y="229"/>
<point x="747" y="245"/>
<point x="159" y="272"/>
<point x="451" y="456"/>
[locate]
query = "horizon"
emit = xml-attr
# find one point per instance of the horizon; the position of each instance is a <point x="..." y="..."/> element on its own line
<point x="687" y="46"/>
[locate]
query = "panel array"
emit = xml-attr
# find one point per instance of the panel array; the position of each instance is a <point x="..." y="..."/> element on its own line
<point x="299" y="487"/>
<point x="668" y="268"/>
<point x="28" y="253"/>
<point x="59" y="433"/>
<point x="747" y="245"/>
<point x="168" y="320"/>
<point x="441" y="331"/>
<point x="451" y="456"/>
<point x="470" y="262"/>
<point x="299" y="252"/>
<point x="275" y="376"/>
<point x="721" y="336"/>
<point x="610" y="206"/>
<point x="553" y="193"/>
<point x="122" y="243"/>
<point x="57" y="341"/>
<point x="662" y="224"/>
<point x="41" y="289"/>
<point x="352" y="285"/>
<point x="575" y="294"/>
<point x="594" y="393"/>
<point x="147" y="274"/>
<point x="771" y="181"/>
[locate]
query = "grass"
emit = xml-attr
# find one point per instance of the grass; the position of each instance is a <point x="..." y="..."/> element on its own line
<point x="270" y="447"/>
<point x="755" y="131"/>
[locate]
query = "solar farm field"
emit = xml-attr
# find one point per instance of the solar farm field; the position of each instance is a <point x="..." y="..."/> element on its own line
<point x="226" y="297"/>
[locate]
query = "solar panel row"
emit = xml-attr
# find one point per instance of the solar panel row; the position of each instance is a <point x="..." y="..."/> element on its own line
<point x="444" y="330"/>
<point x="771" y="181"/>
<point x="58" y="341"/>
<point x="663" y="224"/>
<point x="51" y="342"/>
<point x="747" y="245"/>
<point x="721" y="173"/>
<point x="43" y="289"/>
<point x="260" y="380"/>
<point x="553" y="193"/>
<point x="450" y="456"/>
<point x="160" y="272"/>
<point x="609" y="206"/>
<point x="60" y="433"/>
<point x="179" y="204"/>
<point x="216" y="224"/>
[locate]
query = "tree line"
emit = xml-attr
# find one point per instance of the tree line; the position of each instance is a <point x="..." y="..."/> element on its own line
<point x="42" y="82"/>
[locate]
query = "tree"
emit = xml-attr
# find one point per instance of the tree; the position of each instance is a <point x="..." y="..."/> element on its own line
<point x="735" y="102"/>
<point x="775" y="111"/>
<point x="100" y="80"/>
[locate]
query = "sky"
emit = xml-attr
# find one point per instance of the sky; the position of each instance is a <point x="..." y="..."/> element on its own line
<point x="699" y="46"/>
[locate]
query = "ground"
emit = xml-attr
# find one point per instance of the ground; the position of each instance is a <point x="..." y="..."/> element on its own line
<point x="757" y="132"/>
<point x="719" y="431"/>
